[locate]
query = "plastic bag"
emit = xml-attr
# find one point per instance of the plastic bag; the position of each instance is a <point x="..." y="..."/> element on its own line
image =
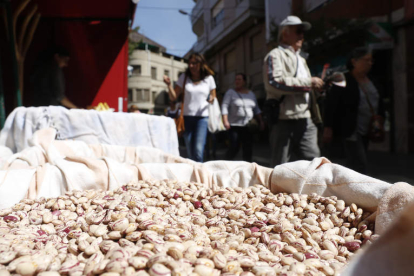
<point x="215" y="121"/>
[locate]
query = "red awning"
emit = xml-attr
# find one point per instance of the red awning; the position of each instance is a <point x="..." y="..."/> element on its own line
<point x="95" y="33"/>
<point x="82" y="8"/>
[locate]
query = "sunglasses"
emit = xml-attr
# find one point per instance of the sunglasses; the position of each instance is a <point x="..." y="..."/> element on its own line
<point x="300" y="30"/>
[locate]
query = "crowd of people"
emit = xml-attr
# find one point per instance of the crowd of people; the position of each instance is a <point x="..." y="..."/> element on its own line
<point x="291" y="108"/>
<point x="352" y="116"/>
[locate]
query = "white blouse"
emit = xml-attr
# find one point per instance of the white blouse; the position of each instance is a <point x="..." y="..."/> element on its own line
<point x="195" y="100"/>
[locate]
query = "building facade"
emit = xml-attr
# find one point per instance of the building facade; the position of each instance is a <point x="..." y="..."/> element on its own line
<point x="146" y="87"/>
<point x="232" y="36"/>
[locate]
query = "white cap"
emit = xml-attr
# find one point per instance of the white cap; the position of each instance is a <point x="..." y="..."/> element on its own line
<point x="292" y="20"/>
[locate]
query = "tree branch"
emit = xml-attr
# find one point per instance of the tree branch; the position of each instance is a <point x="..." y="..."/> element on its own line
<point x="24" y="27"/>
<point x="16" y="14"/>
<point x="29" y="37"/>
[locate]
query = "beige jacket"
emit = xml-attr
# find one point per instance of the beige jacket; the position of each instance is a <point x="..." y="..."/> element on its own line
<point x="279" y="76"/>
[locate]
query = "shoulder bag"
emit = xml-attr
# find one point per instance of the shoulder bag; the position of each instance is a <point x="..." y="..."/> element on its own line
<point x="179" y="122"/>
<point x="271" y="110"/>
<point x="376" y="132"/>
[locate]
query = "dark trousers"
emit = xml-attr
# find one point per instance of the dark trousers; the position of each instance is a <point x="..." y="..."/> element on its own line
<point x="293" y="137"/>
<point x="240" y="136"/>
<point x="356" y="153"/>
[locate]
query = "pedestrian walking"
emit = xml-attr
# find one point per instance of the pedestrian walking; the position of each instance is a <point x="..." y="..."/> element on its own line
<point x="349" y="110"/>
<point x="239" y="107"/>
<point x="199" y="88"/>
<point x="290" y="92"/>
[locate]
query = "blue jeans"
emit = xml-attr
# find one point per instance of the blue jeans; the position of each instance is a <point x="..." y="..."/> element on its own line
<point x="195" y="136"/>
<point x="356" y="153"/>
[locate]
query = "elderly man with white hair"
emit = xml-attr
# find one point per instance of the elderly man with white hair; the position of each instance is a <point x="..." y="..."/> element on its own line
<point x="290" y="102"/>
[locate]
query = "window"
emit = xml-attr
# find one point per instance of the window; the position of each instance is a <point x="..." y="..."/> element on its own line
<point x="130" y="95"/>
<point x="167" y="73"/>
<point x="154" y="96"/>
<point x="142" y="95"/>
<point x="178" y="75"/>
<point x="217" y="14"/>
<point x="136" y="70"/>
<point x="256" y="46"/>
<point x="230" y="61"/>
<point x="146" y="95"/>
<point x="138" y="95"/>
<point x="153" y="73"/>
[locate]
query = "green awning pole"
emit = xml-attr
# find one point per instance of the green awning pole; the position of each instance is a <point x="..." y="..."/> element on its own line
<point x="13" y="49"/>
<point x="2" y="111"/>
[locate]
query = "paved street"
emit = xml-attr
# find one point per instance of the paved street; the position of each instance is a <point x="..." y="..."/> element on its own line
<point x="385" y="166"/>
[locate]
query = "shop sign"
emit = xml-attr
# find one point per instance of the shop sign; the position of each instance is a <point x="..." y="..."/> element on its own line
<point x="381" y="36"/>
<point x="310" y="5"/>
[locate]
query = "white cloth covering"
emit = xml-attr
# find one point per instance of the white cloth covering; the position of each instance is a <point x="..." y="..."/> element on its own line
<point x="102" y="166"/>
<point x="91" y="127"/>
<point x="49" y="168"/>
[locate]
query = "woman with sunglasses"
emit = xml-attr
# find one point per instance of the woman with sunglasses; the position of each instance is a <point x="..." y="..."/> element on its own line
<point x="199" y="88"/>
<point x="348" y="110"/>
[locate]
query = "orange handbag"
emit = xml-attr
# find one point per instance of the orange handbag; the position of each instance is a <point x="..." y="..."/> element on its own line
<point x="179" y="122"/>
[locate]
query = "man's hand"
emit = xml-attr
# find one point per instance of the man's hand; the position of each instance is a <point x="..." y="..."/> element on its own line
<point x="317" y="83"/>
<point x="167" y="80"/>
<point x="67" y="103"/>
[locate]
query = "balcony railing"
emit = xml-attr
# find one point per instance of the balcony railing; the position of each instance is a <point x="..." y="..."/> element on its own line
<point x="197" y="11"/>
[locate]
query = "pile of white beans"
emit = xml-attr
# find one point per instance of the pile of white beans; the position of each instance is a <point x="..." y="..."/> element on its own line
<point x="163" y="228"/>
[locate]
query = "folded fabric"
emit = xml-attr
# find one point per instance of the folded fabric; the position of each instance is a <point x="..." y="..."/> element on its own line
<point x="322" y="177"/>
<point x="21" y="124"/>
<point x="45" y="149"/>
<point x="91" y="127"/>
<point x="392" y="253"/>
<point x="52" y="167"/>
<point x="49" y="168"/>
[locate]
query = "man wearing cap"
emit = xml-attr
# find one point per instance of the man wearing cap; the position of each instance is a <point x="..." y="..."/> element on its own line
<point x="288" y="83"/>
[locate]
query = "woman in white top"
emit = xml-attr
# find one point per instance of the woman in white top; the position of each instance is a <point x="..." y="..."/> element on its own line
<point x="238" y="108"/>
<point x="200" y="90"/>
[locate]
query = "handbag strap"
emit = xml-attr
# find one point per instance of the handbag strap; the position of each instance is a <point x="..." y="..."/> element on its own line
<point x="367" y="97"/>
<point x="244" y="105"/>
<point x="182" y="105"/>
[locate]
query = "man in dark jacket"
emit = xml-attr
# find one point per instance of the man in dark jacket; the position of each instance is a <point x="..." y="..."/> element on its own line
<point x="348" y="110"/>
